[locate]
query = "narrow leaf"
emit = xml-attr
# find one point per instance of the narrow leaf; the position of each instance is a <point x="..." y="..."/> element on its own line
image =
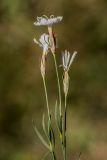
<point x="43" y="125"/>
<point x="60" y="124"/>
<point x="46" y="155"/>
<point x="49" y="123"/>
<point x="56" y="113"/>
<point x="53" y="137"/>
<point x="40" y="137"/>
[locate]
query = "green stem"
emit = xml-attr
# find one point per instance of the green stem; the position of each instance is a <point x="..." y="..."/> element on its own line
<point x="46" y="95"/>
<point x="47" y="104"/>
<point x="65" y="128"/>
<point x="60" y="102"/>
<point x="59" y="88"/>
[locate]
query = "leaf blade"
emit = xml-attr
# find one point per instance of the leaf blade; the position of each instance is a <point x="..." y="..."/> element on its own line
<point x="40" y="137"/>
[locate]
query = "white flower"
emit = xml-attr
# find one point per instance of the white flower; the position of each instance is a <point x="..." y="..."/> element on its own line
<point x="44" y="20"/>
<point x="43" y="42"/>
<point x="67" y="59"/>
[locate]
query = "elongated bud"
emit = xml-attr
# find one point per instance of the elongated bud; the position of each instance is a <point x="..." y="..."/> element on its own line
<point x="66" y="83"/>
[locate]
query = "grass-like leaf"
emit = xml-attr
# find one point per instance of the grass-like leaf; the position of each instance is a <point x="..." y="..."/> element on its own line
<point x="43" y="125"/>
<point x="49" y="123"/>
<point x="40" y="137"/>
<point x="57" y="115"/>
<point x="46" y="155"/>
<point x="60" y="125"/>
<point x="53" y="137"/>
<point x="59" y="122"/>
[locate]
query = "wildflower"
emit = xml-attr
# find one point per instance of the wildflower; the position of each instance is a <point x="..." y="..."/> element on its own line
<point x="67" y="61"/>
<point x="44" y="43"/>
<point x="45" y="21"/>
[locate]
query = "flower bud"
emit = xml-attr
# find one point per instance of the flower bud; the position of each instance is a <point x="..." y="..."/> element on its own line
<point x="66" y="83"/>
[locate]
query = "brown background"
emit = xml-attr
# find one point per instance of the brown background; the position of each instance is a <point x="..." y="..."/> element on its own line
<point x="84" y="28"/>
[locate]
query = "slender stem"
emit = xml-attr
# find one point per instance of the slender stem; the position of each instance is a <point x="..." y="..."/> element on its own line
<point x="47" y="104"/>
<point x="46" y="95"/>
<point x="60" y="102"/>
<point x="59" y="88"/>
<point x="65" y="128"/>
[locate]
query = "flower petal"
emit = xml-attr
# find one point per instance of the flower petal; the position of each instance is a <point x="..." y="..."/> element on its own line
<point x="72" y="58"/>
<point x="44" y="20"/>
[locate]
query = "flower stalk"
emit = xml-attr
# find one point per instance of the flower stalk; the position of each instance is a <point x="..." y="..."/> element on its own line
<point x="67" y="60"/>
<point x="59" y="121"/>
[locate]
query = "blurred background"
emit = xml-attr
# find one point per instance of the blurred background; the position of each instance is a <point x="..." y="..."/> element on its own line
<point x="84" y="28"/>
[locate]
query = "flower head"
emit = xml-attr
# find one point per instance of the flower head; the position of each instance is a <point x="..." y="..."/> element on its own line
<point x="44" y="20"/>
<point x="43" y="42"/>
<point x="67" y="59"/>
